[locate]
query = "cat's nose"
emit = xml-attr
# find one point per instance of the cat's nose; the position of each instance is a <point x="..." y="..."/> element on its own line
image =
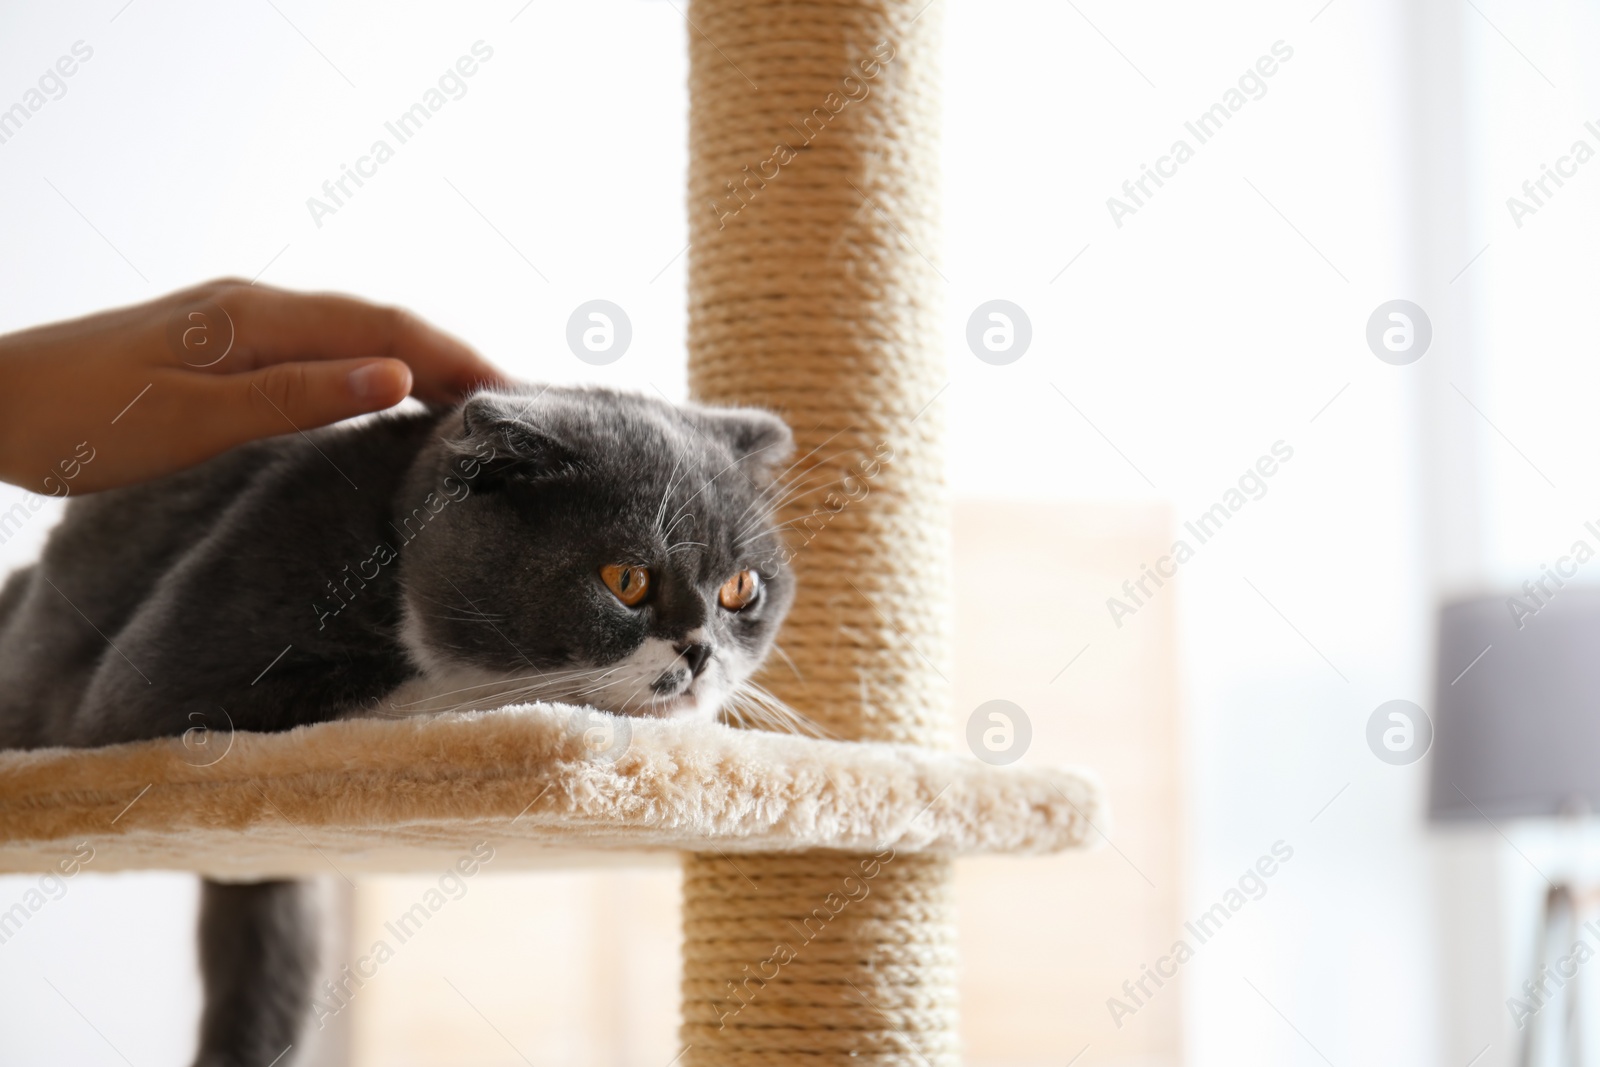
<point x="696" y="655"/>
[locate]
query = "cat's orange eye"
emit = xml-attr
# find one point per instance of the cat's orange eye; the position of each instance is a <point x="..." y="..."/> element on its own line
<point x="737" y="592"/>
<point x="627" y="584"/>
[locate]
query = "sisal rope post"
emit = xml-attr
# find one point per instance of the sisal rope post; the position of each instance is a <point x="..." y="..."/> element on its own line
<point x="813" y="206"/>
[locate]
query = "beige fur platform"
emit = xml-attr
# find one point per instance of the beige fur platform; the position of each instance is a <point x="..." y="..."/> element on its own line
<point x="414" y="794"/>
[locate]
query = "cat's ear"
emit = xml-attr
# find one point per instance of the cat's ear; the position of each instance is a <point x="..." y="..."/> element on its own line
<point x="759" y="440"/>
<point x="500" y="437"/>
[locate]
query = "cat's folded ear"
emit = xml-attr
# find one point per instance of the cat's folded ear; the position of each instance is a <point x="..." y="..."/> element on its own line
<point x="500" y="438"/>
<point x="759" y="440"/>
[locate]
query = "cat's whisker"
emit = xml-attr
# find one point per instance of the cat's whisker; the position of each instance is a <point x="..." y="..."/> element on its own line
<point x="686" y="544"/>
<point x="744" y="711"/>
<point x="591" y="690"/>
<point x="790" y="525"/>
<point x="451" y="605"/>
<point x="752" y="712"/>
<point x="594" y="685"/>
<point x="640" y="688"/>
<point x="528" y="694"/>
<point x="787" y="491"/>
<point x="569" y="685"/>
<point x="610" y="671"/>
<point x="780" y="494"/>
<point x="569" y="674"/>
<point x="447" y="617"/>
<point x="667" y="533"/>
<point x="566" y="690"/>
<point x="709" y="483"/>
<point x="757" y="527"/>
<point x="785" y="657"/>
<point x="672" y="481"/>
<point x="456" y="611"/>
<point x="782" y="711"/>
<point x="778" y="478"/>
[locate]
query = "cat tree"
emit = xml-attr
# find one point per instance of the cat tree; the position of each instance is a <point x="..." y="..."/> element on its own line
<point x="817" y="898"/>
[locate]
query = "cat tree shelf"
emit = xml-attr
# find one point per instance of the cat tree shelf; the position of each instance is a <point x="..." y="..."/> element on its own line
<point x="383" y="795"/>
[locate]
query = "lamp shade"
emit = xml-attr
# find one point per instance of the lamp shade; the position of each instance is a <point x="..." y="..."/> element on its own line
<point x="1517" y="706"/>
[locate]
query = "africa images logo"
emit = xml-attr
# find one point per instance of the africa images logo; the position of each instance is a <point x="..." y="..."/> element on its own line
<point x="1203" y="128"/>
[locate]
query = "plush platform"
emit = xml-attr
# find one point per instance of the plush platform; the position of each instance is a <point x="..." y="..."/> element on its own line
<point x="545" y="785"/>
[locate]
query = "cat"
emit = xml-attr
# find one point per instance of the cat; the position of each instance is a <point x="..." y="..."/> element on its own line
<point x="571" y="544"/>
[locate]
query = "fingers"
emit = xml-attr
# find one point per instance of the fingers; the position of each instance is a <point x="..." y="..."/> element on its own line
<point x="181" y="419"/>
<point x="286" y="397"/>
<point x="272" y="326"/>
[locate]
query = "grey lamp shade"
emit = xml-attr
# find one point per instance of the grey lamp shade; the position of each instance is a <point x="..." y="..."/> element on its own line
<point x="1517" y="734"/>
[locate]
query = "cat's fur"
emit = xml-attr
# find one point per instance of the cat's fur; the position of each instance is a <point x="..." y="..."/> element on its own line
<point x="414" y="562"/>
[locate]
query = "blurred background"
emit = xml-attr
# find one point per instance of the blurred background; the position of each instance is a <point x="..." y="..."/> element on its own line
<point x="1177" y="337"/>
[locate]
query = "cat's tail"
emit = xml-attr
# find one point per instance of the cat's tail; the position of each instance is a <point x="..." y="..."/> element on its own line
<point x="260" y="953"/>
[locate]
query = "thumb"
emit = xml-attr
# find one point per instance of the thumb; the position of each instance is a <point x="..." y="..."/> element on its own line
<point x="298" y="396"/>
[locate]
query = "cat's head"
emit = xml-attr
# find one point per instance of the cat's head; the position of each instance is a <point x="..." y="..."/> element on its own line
<point x="594" y="547"/>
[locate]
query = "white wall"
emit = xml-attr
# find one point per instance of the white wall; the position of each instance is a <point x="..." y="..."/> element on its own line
<point x="1195" y="336"/>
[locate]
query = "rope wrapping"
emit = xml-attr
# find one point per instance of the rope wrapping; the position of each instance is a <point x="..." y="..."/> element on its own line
<point x="818" y="299"/>
<point x="813" y="208"/>
<point x="785" y="964"/>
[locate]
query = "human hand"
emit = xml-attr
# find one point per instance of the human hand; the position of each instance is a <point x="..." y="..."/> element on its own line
<point x="138" y="392"/>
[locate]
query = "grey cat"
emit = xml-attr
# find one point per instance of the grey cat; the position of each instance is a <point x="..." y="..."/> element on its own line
<point x="573" y="544"/>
